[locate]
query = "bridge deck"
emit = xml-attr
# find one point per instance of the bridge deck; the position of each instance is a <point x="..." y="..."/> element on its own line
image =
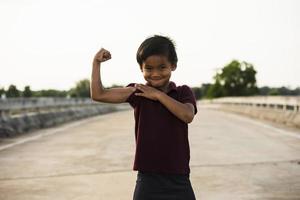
<point x="232" y="157"/>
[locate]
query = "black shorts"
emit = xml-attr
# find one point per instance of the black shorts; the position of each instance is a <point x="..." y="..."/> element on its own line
<point x="157" y="186"/>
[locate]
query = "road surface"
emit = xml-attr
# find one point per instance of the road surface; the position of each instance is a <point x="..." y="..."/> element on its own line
<point x="232" y="157"/>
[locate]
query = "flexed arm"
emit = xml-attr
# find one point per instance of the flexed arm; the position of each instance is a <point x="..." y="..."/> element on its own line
<point x="98" y="93"/>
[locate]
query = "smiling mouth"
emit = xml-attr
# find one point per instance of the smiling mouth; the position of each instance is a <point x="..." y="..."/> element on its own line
<point x="156" y="79"/>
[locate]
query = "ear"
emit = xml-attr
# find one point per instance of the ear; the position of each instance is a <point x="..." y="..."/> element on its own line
<point x="173" y="67"/>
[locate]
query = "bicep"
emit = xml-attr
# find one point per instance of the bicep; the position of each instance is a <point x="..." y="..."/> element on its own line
<point x="115" y="95"/>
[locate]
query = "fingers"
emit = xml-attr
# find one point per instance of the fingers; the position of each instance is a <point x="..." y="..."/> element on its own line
<point x="106" y="56"/>
<point x="133" y="89"/>
<point x="104" y="52"/>
<point x="103" y="55"/>
<point x="141" y="87"/>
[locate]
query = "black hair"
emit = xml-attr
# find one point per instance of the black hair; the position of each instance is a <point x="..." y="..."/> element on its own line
<point x="157" y="45"/>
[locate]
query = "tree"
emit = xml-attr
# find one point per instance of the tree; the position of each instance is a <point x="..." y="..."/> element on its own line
<point x="2" y="91"/>
<point x="13" y="91"/>
<point x="264" y="90"/>
<point x="198" y="92"/>
<point x="82" y="89"/>
<point x="27" y="92"/>
<point x="204" y="89"/>
<point x="296" y="91"/>
<point x="282" y="91"/>
<point x="235" y="79"/>
<point x="273" y="92"/>
<point x="215" y="90"/>
<point x="50" y="93"/>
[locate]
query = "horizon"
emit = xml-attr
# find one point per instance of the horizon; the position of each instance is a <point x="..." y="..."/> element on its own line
<point x="199" y="86"/>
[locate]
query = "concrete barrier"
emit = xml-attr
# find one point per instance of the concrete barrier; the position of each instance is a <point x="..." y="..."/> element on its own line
<point x="21" y="115"/>
<point x="279" y="109"/>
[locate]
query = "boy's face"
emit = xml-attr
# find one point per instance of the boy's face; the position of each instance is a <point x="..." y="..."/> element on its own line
<point x="157" y="71"/>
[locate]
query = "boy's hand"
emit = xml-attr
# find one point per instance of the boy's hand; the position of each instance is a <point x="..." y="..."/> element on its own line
<point x="102" y="56"/>
<point x="148" y="92"/>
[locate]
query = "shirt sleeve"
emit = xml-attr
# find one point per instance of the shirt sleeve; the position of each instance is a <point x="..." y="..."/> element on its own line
<point x="188" y="96"/>
<point x="133" y="100"/>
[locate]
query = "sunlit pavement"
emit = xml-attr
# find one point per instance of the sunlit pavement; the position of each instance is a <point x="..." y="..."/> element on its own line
<point x="232" y="157"/>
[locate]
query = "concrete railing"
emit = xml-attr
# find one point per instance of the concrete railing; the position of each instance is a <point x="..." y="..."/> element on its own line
<point x="12" y="106"/>
<point x="20" y="115"/>
<point x="282" y="109"/>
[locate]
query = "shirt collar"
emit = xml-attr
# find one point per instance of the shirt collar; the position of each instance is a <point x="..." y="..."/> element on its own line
<point x="171" y="86"/>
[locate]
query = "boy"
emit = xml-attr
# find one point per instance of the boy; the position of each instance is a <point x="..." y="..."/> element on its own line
<point x="162" y="111"/>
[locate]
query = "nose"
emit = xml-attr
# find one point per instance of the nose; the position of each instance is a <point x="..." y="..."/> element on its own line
<point x="155" y="73"/>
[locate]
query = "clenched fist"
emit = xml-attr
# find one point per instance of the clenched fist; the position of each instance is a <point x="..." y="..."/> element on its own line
<point x="102" y="56"/>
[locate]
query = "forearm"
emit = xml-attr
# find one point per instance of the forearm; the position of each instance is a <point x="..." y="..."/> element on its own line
<point x="180" y="110"/>
<point x="96" y="87"/>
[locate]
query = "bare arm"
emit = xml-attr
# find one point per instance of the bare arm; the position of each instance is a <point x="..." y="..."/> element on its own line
<point x="98" y="93"/>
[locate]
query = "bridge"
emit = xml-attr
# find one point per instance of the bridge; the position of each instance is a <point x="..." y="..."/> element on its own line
<point x="232" y="157"/>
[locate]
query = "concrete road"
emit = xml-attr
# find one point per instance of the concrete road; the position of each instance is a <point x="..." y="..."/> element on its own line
<point x="232" y="157"/>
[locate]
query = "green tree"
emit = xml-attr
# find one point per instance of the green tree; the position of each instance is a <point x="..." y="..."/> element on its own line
<point x="296" y="91"/>
<point x="13" y="91"/>
<point x="235" y="79"/>
<point x="282" y="91"/>
<point x="27" y="92"/>
<point x="49" y="93"/>
<point x="215" y="90"/>
<point x="273" y="92"/>
<point x="82" y="89"/>
<point x="2" y="91"/>
<point x="264" y="90"/>
<point x="198" y="92"/>
<point x="204" y="89"/>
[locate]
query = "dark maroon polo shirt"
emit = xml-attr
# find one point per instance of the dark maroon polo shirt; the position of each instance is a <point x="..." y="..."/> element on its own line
<point x="161" y="138"/>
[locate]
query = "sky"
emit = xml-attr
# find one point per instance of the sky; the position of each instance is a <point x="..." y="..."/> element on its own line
<point x="51" y="44"/>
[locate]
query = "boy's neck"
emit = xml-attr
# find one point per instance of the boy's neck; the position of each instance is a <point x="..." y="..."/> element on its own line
<point x="164" y="88"/>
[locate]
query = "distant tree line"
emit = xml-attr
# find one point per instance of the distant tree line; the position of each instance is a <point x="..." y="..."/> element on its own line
<point x="234" y="79"/>
<point x="81" y="89"/>
<point x="201" y="92"/>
